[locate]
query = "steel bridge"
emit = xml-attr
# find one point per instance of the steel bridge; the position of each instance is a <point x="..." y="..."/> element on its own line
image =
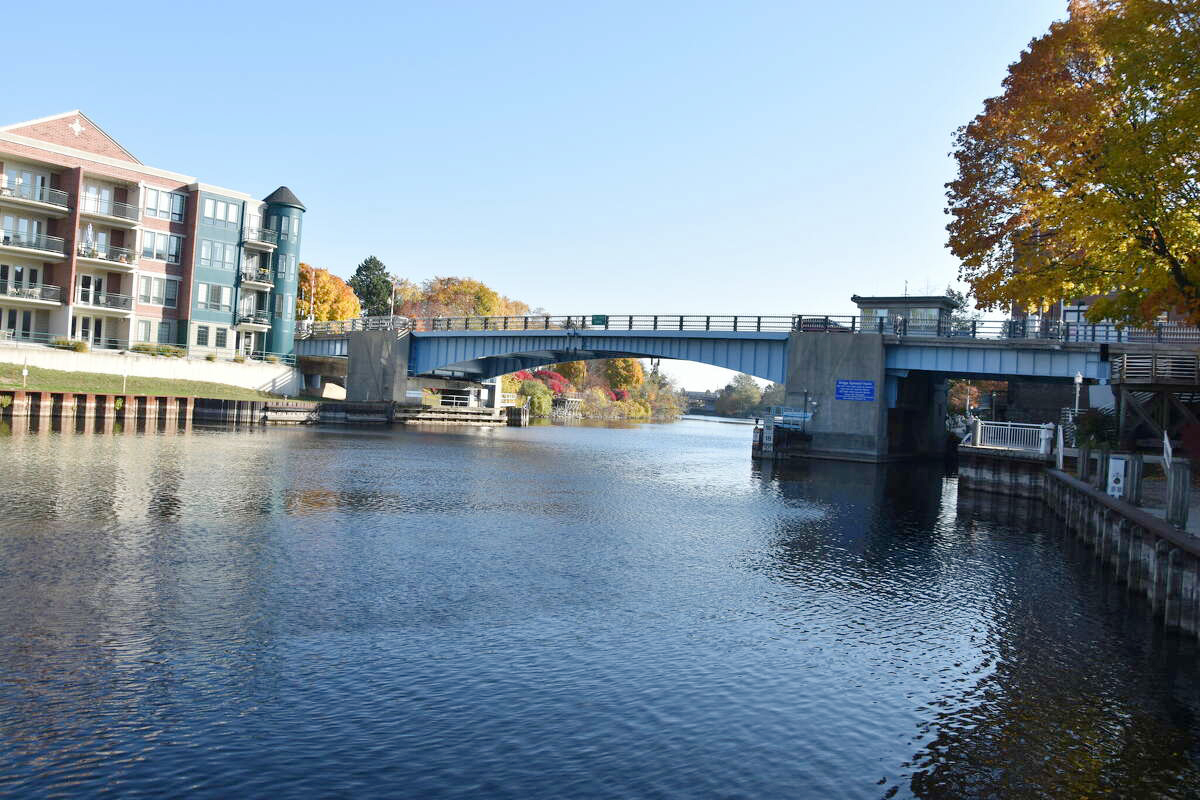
<point x="484" y="347"/>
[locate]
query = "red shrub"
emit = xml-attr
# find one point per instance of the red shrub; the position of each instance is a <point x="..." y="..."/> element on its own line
<point x="621" y="394"/>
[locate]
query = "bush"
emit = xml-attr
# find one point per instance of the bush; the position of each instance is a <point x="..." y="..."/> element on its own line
<point x="118" y="403"/>
<point x="211" y="357"/>
<point x="5" y="400"/>
<point x="1096" y="428"/>
<point x="63" y="343"/>
<point x="239" y="359"/>
<point x="541" y="400"/>
<point x="272" y="359"/>
<point x="142" y="347"/>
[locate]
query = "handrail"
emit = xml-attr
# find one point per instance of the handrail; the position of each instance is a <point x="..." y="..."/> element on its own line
<point x="108" y="208"/>
<point x="264" y="235"/>
<point x="31" y="291"/>
<point x="258" y="276"/>
<point x="255" y="318"/>
<point x="37" y="194"/>
<point x="33" y="241"/>
<point x="121" y="302"/>
<point x="107" y="252"/>
<point x="1012" y="435"/>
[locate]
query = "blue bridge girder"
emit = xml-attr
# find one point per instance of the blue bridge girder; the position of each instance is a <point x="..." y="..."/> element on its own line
<point x="486" y="354"/>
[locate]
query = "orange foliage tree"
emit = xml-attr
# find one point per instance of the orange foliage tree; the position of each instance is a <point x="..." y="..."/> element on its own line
<point x="324" y="295"/>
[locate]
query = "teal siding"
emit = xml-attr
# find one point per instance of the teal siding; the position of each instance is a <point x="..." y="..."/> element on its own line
<point x="225" y="235"/>
<point x="283" y="327"/>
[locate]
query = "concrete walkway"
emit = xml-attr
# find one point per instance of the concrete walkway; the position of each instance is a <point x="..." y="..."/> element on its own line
<point x="1154" y="501"/>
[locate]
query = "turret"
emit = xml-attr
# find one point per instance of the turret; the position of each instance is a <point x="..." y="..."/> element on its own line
<point x="283" y="213"/>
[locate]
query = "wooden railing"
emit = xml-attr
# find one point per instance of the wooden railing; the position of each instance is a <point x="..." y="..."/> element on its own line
<point x="1183" y="368"/>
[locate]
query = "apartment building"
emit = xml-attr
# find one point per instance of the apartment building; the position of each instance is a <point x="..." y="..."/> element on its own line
<point x="99" y="247"/>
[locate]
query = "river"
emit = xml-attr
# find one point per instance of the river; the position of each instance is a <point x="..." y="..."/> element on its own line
<point x="551" y="612"/>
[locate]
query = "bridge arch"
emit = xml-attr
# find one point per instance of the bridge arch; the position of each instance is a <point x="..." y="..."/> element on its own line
<point x="470" y="354"/>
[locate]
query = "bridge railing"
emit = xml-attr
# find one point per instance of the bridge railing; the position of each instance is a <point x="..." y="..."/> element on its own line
<point x="1013" y="436"/>
<point x="999" y="329"/>
<point x="605" y="322"/>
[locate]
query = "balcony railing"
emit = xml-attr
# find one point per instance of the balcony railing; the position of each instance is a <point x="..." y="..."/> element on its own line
<point x="31" y="291"/>
<point x="118" y="255"/>
<point x="258" y="276"/>
<point x="34" y="241"/>
<point x="254" y="318"/>
<point x="37" y="194"/>
<point x="264" y="235"/>
<point x="120" y="302"/>
<point x="109" y="208"/>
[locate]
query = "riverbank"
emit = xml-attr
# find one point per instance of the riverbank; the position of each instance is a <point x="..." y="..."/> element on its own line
<point x="41" y="379"/>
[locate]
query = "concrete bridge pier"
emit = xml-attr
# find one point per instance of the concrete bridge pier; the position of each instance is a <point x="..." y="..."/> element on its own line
<point x="861" y="410"/>
<point x="377" y="368"/>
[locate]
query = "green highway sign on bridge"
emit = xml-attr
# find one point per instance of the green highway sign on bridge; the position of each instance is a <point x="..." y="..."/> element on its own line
<point x="599" y="319"/>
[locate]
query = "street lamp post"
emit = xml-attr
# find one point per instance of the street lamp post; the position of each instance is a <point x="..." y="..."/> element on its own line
<point x="1078" y="383"/>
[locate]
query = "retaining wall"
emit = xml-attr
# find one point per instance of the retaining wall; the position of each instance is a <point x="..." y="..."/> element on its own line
<point x="275" y="378"/>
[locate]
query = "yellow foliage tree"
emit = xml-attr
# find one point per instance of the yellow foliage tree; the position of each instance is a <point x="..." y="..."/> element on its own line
<point x="325" y="295"/>
<point x="624" y="373"/>
<point x="1083" y="177"/>
<point x="574" y="371"/>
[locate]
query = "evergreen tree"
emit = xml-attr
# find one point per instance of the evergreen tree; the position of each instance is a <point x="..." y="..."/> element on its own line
<point x="373" y="286"/>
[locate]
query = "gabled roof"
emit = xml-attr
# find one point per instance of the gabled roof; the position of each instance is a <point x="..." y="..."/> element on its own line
<point x="283" y="196"/>
<point x="72" y="129"/>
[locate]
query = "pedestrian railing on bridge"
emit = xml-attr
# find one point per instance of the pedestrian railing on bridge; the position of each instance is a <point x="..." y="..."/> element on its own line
<point x="1182" y="368"/>
<point x="1002" y="329"/>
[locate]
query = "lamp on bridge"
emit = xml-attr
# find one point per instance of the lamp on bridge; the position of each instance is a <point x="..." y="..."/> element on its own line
<point x="1078" y="383"/>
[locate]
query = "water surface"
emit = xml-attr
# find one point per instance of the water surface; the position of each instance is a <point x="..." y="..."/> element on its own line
<point x="556" y="612"/>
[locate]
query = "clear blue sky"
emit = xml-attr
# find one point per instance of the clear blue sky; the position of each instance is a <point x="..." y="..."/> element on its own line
<point x="608" y="157"/>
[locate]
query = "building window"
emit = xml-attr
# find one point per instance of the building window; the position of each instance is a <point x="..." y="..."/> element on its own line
<point x="143" y="330"/>
<point x="221" y="337"/>
<point x="221" y="213"/>
<point x="277" y="300"/>
<point x="165" y="205"/>
<point x="166" y="332"/>
<point x="218" y="255"/>
<point x="161" y="246"/>
<point x="158" y="291"/>
<point x="202" y="336"/>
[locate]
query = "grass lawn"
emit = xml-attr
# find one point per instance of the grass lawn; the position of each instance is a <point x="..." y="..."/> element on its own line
<point x="53" y="380"/>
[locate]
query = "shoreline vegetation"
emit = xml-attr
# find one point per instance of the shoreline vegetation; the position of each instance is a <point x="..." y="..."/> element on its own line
<point x="605" y="389"/>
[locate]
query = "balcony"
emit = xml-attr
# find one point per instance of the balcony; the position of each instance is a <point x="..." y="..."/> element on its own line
<point x="254" y="320"/>
<point x="121" y="258"/>
<point x="36" y="244"/>
<point x="260" y="238"/>
<point x="105" y="300"/>
<point x="121" y="214"/>
<point x="258" y="279"/>
<point x="37" y="293"/>
<point x="53" y="202"/>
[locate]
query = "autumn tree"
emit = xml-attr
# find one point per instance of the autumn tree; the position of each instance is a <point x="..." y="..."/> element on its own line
<point x="324" y="296"/>
<point x="373" y="286"/>
<point x="1082" y="177"/>
<point x="624" y="373"/>
<point x="574" y="371"/>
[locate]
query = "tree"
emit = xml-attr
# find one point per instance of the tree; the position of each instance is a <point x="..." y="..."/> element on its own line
<point x="573" y="371"/>
<point x="624" y="373"/>
<point x="325" y="296"/>
<point x="373" y="287"/>
<point x="541" y="399"/>
<point x="774" y="395"/>
<point x="1081" y="178"/>
<point x="460" y="297"/>
<point x="739" y="396"/>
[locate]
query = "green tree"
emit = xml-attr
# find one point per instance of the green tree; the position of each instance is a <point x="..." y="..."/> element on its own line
<point x="541" y="399"/>
<point x="774" y="395"/>
<point x="624" y="373"/>
<point x="739" y="396"/>
<point x="373" y="286"/>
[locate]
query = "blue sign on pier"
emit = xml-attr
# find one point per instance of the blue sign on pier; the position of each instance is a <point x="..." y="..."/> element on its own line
<point x="862" y="391"/>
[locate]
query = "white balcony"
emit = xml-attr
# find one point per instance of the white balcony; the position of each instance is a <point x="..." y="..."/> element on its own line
<point x="121" y="215"/>
<point x="117" y="259"/>
<point x="42" y="199"/>
<point x="38" y="245"/>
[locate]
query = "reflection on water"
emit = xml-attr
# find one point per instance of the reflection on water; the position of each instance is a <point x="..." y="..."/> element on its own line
<point x="556" y="611"/>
